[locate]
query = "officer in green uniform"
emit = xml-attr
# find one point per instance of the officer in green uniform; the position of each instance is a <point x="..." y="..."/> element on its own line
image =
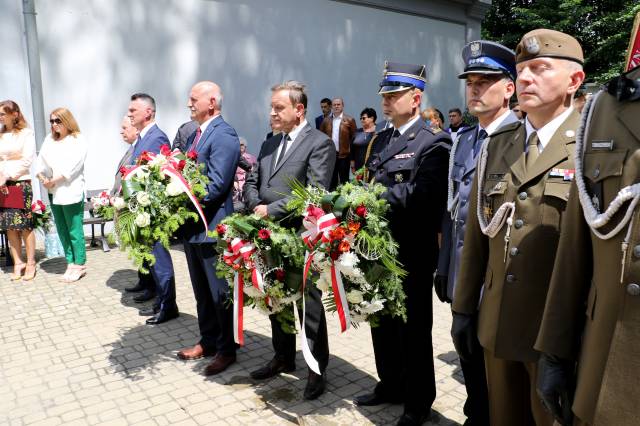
<point x="519" y="195"/>
<point x="592" y="314"/>
<point x="411" y="160"/>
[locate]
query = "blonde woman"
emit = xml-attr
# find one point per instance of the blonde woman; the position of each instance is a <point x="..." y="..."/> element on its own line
<point x="60" y="168"/>
<point x="17" y="148"/>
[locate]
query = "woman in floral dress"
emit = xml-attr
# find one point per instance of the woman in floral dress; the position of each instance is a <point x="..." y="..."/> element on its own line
<point x="17" y="148"/>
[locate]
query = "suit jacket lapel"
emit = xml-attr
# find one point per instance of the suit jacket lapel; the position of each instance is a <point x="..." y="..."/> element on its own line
<point x="291" y="150"/>
<point x="205" y="135"/>
<point x="556" y="150"/>
<point x="629" y="119"/>
<point x="513" y="154"/>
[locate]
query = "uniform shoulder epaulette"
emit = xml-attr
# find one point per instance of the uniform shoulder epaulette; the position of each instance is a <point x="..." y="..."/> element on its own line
<point x="507" y="128"/>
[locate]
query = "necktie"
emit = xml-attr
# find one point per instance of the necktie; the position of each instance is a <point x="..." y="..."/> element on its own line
<point x="482" y="135"/>
<point x="283" y="149"/>
<point x="194" y="145"/>
<point x="394" y="137"/>
<point x="532" y="149"/>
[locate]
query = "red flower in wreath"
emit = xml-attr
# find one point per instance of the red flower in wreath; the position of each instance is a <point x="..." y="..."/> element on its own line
<point x="192" y="155"/>
<point x="315" y="212"/>
<point x="344" y="246"/>
<point x="354" y="227"/>
<point x="181" y="165"/>
<point x="165" y="150"/>
<point x="337" y="234"/>
<point x="361" y="210"/>
<point x="123" y="170"/>
<point x="221" y="229"/>
<point x="38" y="207"/>
<point x="145" y="157"/>
<point x="359" y="177"/>
<point x="264" y="234"/>
<point x="236" y="266"/>
<point x="279" y="273"/>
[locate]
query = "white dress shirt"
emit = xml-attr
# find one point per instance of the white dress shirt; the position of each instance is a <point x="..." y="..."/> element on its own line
<point x="293" y="135"/>
<point x="335" y="131"/>
<point x="495" y="124"/>
<point x="402" y="129"/>
<point x="64" y="158"/>
<point x="546" y="132"/>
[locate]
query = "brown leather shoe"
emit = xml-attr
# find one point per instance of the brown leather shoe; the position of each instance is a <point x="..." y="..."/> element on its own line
<point x="219" y="364"/>
<point x="196" y="352"/>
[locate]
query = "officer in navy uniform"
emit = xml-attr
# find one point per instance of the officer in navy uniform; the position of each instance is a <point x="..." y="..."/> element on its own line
<point x="411" y="160"/>
<point x="490" y="73"/>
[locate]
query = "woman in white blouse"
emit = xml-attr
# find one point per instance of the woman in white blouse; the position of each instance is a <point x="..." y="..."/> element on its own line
<point x="60" y="168"/>
<point x="17" y="148"/>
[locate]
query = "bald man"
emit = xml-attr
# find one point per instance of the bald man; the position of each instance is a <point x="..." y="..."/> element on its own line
<point x="218" y="148"/>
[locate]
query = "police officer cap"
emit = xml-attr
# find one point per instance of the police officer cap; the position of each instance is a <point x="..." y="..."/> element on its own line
<point x="544" y="43"/>
<point x="487" y="57"/>
<point x="398" y="77"/>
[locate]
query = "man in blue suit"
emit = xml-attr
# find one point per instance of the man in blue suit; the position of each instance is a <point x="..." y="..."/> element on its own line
<point x="490" y="72"/>
<point x="142" y="113"/>
<point x="218" y="148"/>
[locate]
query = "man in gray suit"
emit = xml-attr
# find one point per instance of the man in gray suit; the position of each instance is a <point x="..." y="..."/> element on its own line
<point x="303" y="153"/>
<point x="182" y="135"/>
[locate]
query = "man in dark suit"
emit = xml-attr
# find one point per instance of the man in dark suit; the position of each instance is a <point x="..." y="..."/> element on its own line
<point x="411" y="160"/>
<point x="341" y="128"/>
<point x="490" y="72"/>
<point x="182" y="135"/>
<point x="142" y="113"/>
<point x="218" y="149"/>
<point x="307" y="155"/>
<point x="325" y="106"/>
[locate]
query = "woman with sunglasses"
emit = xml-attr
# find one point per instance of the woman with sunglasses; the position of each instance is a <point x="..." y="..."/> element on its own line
<point x="60" y="168"/>
<point x="17" y="148"/>
<point x="362" y="138"/>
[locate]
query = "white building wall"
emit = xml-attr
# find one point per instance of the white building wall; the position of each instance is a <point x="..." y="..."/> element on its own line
<point x="96" y="53"/>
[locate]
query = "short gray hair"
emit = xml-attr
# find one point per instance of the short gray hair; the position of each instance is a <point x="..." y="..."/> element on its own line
<point x="297" y="95"/>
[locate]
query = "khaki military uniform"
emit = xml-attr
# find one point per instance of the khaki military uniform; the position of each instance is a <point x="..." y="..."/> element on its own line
<point x="593" y="306"/>
<point x="514" y="264"/>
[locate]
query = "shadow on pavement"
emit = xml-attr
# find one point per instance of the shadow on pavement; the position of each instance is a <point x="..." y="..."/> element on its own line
<point x="451" y="358"/>
<point x="54" y="265"/>
<point x="122" y="279"/>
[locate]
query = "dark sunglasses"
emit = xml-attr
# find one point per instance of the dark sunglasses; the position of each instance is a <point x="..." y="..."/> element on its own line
<point x="55" y="121"/>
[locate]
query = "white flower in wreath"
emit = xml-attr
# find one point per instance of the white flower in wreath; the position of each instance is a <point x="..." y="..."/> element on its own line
<point x="158" y="160"/>
<point x="141" y="172"/>
<point x="354" y="296"/>
<point x="372" y="307"/>
<point x="253" y="292"/>
<point x="119" y="203"/>
<point x="174" y="188"/>
<point x="324" y="282"/>
<point x="143" y="198"/>
<point x="356" y="317"/>
<point x="143" y="220"/>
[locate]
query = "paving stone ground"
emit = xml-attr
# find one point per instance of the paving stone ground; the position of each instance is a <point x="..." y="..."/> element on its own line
<point x="79" y="354"/>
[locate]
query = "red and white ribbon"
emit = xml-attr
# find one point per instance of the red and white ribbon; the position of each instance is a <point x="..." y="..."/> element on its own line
<point x="238" y="304"/>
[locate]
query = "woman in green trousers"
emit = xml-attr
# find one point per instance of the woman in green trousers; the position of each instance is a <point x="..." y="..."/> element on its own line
<point x="60" y="168"/>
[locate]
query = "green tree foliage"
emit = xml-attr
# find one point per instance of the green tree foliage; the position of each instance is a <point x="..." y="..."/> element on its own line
<point x="603" y="27"/>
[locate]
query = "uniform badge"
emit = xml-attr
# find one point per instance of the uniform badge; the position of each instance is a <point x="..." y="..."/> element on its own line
<point x="488" y="211"/>
<point x="500" y="186"/>
<point x="476" y="49"/>
<point x="532" y="45"/>
<point x="565" y="174"/>
<point x="602" y="145"/>
<point x="403" y="156"/>
<point x="399" y="178"/>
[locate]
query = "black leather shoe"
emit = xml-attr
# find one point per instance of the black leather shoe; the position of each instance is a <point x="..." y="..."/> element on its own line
<point x="315" y="386"/>
<point x="136" y="288"/>
<point x="273" y="368"/>
<point x="149" y="311"/>
<point x="147" y="295"/>
<point x="163" y="316"/>
<point x="413" y="418"/>
<point x="372" y="399"/>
